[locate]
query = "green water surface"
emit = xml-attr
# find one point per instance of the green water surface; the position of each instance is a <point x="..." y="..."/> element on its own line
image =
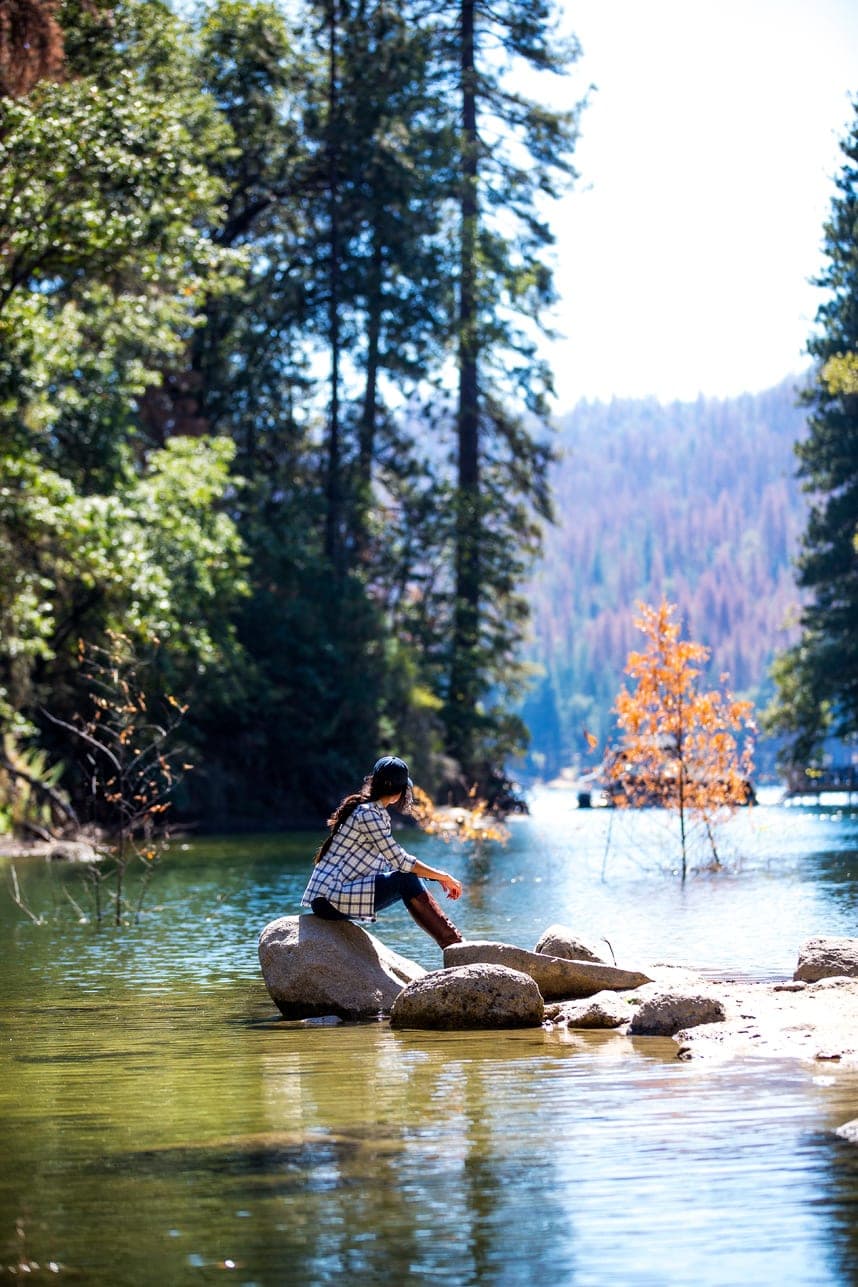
<point x="161" y="1125"/>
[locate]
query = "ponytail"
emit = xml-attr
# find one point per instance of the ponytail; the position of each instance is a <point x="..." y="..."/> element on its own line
<point x="341" y="814"/>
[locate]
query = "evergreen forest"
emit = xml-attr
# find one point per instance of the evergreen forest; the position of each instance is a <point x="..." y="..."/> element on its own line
<point x="741" y="512"/>
<point x="272" y="410"/>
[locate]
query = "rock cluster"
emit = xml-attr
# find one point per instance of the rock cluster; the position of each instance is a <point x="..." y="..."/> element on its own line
<point x="314" y="968"/>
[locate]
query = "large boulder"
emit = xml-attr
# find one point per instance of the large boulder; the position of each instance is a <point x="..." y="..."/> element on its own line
<point x="666" y="1013"/>
<point x="826" y="958"/>
<point x="469" y="996"/>
<point x="556" y="978"/>
<point x="315" y="967"/>
<point x="560" y="941"/>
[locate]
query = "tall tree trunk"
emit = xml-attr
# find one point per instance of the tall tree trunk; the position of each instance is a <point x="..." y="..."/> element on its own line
<point x="333" y="491"/>
<point x="369" y="411"/>
<point x="465" y="668"/>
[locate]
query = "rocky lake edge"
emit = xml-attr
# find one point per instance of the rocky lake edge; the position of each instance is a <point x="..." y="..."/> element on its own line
<point x="316" y="973"/>
<point x="811" y="1021"/>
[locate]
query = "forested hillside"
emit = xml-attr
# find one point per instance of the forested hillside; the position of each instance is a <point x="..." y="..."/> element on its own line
<point x="696" y="501"/>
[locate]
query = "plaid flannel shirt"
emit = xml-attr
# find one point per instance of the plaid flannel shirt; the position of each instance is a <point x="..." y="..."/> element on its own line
<point x="362" y="849"/>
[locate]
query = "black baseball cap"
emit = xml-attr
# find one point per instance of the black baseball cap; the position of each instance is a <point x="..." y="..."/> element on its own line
<point x="391" y="772"/>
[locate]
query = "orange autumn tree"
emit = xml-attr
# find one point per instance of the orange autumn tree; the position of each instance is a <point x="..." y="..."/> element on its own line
<point x="681" y="749"/>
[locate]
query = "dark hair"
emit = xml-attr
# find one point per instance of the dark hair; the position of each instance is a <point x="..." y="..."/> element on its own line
<point x="389" y="775"/>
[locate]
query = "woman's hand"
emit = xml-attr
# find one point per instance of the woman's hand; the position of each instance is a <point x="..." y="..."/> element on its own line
<point x="452" y="887"/>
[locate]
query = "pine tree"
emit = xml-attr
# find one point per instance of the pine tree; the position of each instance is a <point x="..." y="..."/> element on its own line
<point x="818" y="678"/>
<point x="513" y="153"/>
<point x="334" y="192"/>
<point x="375" y="185"/>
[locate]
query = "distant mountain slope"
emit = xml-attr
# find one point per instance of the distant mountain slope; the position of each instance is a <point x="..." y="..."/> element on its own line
<point x="697" y="501"/>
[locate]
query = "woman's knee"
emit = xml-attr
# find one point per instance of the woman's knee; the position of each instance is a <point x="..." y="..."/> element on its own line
<point x="392" y="886"/>
<point x="411" y="886"/>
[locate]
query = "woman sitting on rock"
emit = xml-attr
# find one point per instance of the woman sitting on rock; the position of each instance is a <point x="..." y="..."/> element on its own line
<point x="353" y="880"/>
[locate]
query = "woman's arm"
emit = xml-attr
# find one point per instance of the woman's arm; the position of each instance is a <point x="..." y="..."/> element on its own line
<point x="452" y="887"/>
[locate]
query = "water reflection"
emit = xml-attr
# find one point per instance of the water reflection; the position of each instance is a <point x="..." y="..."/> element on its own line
<point x="448" y="1164"/>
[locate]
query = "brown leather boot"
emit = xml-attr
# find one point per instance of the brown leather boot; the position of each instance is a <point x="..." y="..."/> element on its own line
<point x="430" y="918"/>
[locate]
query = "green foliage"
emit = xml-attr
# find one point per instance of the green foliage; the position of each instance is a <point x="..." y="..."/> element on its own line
<point x="103" y="193"/>
<point x="106" y="188"/>
<point x="29" y="798"/>
<point x="818" y="678"/>
<point x="513" y="154"/>
<point x="840" y="373"/>
<point x="155" y="557"/>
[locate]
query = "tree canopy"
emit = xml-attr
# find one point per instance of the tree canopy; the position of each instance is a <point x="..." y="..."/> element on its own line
<point x="249" y="263"/>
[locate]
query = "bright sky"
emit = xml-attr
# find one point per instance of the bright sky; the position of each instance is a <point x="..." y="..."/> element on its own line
<point x="707" y="157"/>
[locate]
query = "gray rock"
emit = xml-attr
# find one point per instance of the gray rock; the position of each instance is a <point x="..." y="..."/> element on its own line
<point x="560" y="941"/>
<point x="837" y="983"/>
<point x="469" y="996"/>
<point x="849" y="1131"/>
<point x="72" y="851"/>
<point x="604" y="1010"/>
<point x="666" y="1013"/>
<point x="555" y="977"/>
<point x="314" y="968"/>
<point x="825" y="958"/>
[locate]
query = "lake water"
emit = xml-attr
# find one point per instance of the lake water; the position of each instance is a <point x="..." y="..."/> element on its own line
<point x="161" y="1125"/>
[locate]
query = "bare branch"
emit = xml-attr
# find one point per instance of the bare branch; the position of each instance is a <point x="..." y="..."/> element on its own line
<point x="18" y="900"/>
<point x="85" y="737"/>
